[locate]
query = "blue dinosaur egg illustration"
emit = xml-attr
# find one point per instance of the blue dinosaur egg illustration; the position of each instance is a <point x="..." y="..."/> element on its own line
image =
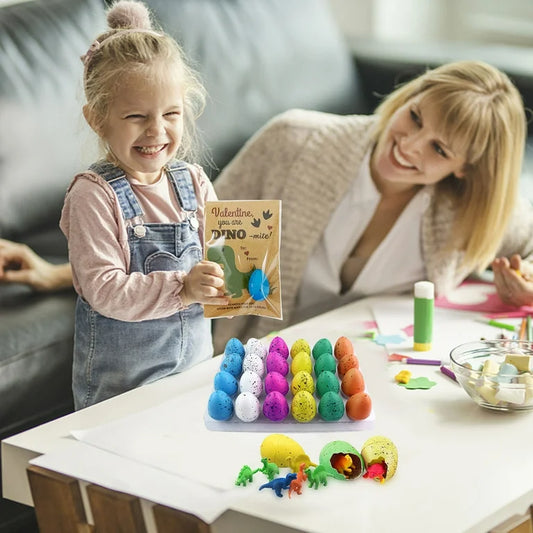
<point x="226" y="382"/>
<point x="232" y="363"/>
<point x="220" y="405"/>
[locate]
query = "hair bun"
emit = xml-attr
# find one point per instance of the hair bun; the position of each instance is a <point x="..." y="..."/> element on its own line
<point x="129" y="14"/>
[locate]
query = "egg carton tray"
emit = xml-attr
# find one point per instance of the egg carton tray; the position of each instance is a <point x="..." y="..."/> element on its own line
<point x="263" y="424"/>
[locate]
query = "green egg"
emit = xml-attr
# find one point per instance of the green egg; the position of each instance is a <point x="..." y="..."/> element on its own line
<point x="325" y="362"/>
<point x="331" y="406"/>
<point x="326" y="381"/>
<point x="341" y="460"/>
<point x="322" y="346"/>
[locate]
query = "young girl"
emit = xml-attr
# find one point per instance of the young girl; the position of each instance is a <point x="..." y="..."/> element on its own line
<point x="134" y="220"/>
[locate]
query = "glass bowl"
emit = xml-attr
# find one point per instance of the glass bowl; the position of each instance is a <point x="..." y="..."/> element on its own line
<point x="497" y="374"/>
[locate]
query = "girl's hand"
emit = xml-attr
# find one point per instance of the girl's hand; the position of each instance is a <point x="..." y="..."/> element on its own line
<point x="513" y="280"/>
<point x="204" y="284"/>
<point x="20" y="264"/>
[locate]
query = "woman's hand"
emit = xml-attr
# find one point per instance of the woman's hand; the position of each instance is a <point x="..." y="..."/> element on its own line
<point x="204" y="284"/>
<point x="514" y="280"/>
<point x="20" y="264"/>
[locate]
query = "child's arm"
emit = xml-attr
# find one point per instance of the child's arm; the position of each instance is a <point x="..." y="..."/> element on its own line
<point x="99" y="255"/>
<point x="204" y="284"/>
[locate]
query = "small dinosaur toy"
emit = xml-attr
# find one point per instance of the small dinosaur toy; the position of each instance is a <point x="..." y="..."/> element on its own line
<point x="317" y="476"/>
<point x="279" y="483"/>
<point x="297" y="484"/>
<point x="235" y="280"/>
<point x="269" y="469"/>
<point x="246" y="474"/>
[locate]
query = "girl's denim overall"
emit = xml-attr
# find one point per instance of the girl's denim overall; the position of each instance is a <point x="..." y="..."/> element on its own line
<point x="112" y="356"/>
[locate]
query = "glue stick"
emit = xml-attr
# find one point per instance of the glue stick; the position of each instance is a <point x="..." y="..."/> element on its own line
<point x="424" y="294"/>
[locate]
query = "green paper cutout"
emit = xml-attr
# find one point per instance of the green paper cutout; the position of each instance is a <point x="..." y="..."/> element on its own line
<point x="418" y="383"/>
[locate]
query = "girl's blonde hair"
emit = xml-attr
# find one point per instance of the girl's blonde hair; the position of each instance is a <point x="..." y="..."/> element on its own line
<point x="481" y="112"/>
<point x="131" y="46"/>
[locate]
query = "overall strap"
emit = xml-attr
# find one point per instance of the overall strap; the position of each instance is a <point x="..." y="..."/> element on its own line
<point x="116" y="177"/>
<point x="181" y="179"/>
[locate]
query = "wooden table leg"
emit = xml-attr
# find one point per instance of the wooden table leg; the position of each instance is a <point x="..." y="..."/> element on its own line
<point x="115" y="512"/>
<point x="171" y="520"/>
<point x="57" y="501"/>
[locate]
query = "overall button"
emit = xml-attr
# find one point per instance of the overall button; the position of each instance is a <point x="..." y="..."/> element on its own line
<point x="193" y="223"/>
<point x="139" y="231"/>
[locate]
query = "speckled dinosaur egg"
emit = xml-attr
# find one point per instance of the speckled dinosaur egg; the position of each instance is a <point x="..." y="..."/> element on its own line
<point x="343" y="347"/>
<point x="303" y="406"/>
<point x="301" y="361"/>
<point x="254" y="363"/>
<point x="301" y="345"/>
<point x="275" y="406"/>
<point x="277" y="344"/>
<point x="341" y="460"/>
<point x="251" y="382"/>
<point x="247" y="407"/>
<point x="321" y="346"/>
<point x="232" y="363"/>
<point x="302" y="380"/>
<point x="325" y="362"/>
<point x="331" y="406"/>
<point x="226" y="382"/>
<point x="234" y="345"/>
<point x="327" y="381"/>
<point x="277" y="363"/>
<point x="274" y="381"/>
<point x="256" y="347"/>
<point x="220" y="405"/>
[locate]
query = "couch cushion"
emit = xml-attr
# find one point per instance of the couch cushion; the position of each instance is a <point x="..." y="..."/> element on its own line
<point x="258" y="58"/>
<point x="42" y="131"/>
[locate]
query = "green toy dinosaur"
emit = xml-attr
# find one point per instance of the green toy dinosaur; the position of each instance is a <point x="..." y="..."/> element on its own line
<point x="235" y="280"/>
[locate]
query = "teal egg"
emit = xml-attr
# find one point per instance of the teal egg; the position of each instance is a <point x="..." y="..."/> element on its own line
<point x="326" y="381"/>
<point x="322" y="346"/>
<point x="326" y="361"/>
<point x="331" y="406"/>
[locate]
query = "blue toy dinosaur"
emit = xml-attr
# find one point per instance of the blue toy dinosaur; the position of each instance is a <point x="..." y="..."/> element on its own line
<point x="279" y="483"/>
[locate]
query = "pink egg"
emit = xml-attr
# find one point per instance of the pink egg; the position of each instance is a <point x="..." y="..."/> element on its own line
<point x="275" y="406"/>
<point x="277" y="344"/>
<point x="274" y="381"/>
<point x="277" y="363"/>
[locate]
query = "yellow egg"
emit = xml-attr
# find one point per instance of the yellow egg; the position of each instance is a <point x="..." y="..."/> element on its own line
<point x="301" y="345"/>
<point x="301" y="361"/>
<point x="303" y="380"/>
<point x="303" y="406"/>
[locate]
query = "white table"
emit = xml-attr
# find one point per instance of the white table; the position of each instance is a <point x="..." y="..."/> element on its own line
<point x="461" y="468"/>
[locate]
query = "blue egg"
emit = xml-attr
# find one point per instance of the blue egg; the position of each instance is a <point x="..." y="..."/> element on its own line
<point x="258" y="285"/>
<point x="220" y="405"/>
<point x="234" y="345"/>
<point x="232" y="363"/>
<point x="226" y="382"/>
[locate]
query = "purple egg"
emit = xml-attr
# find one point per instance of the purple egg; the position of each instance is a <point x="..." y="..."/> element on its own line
<point x="277" y="363"/>
<point x="274" y="381"/>
<point x="277" y="344"/>
<point x="275" y="406"/>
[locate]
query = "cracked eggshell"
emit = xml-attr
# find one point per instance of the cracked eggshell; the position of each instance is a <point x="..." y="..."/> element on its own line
<point x="284" y="451"/>
<point x="381" y="449"/>
<point x="334" y="452"/>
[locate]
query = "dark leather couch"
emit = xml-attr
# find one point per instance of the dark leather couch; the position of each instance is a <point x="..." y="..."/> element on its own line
<point x="257" y="58"/>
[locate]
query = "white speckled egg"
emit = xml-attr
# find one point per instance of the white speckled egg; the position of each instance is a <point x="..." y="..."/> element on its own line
<point x="254" y="363"/>
<point x="251" y="382"/>
<point x="247" y="407"/>
<point x="256" y="347"/>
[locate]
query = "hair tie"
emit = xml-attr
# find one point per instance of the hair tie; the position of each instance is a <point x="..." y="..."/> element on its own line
<point x="92" y="49"/>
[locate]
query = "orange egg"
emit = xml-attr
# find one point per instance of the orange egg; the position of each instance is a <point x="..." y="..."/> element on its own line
<point x="347" y="362"/>
<point x="358" y="406"/>
<point x="343" y="347"/>
<point x="352" y="382"/>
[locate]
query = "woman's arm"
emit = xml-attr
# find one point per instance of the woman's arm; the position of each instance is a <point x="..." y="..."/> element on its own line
<point x="20" y="264"/>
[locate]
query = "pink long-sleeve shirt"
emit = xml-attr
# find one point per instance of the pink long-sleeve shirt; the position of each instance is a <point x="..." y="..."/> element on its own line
<point x="99" y="252"/>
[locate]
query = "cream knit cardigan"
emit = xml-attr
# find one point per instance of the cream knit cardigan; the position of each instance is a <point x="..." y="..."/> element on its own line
<point x="308" y="159"/>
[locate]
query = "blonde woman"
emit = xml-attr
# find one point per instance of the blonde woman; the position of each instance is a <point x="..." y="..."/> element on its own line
<point x="424" y="189"/>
